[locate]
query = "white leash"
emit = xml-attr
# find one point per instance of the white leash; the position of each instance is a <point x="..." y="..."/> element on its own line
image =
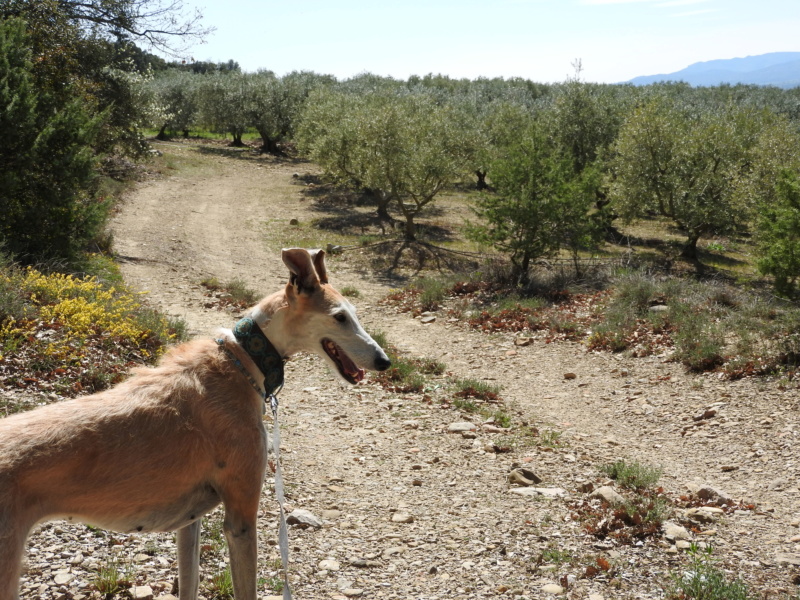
<point x="283" y="531"/>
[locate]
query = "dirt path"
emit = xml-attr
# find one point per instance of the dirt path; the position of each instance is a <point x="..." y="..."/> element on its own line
<point x="408" y="510"/>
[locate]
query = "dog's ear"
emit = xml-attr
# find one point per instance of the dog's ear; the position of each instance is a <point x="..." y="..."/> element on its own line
<point x="302" y="273"/>
<point x="318" y="257"/>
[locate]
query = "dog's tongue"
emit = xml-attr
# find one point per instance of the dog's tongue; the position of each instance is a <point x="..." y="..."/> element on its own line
<point x="350" y="367"/>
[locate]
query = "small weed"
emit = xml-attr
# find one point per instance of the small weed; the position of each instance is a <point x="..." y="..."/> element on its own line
<point x="429" y="366"/>
<point x="274" y="584"/>
<point x="554" y="555"/>
<point x="703" y="580"/>
<point x="634" y="475"/>
<point x="232" y="293"/>
<point x="465" y="405"/>
<point x="550" y="439"/>
<point x="113" y="577"/>
<point x="350" y="292"/>
<point x="474" y="388"/>
<point x="432" y="293"/>
<point x="220" y="586"/>
<point x="500" y="418"/>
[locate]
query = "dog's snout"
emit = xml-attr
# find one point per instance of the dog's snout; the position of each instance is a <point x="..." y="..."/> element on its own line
<point x="382" y="363"/>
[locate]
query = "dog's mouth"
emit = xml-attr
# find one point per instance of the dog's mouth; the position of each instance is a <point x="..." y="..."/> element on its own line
<point x="347" y="368"/>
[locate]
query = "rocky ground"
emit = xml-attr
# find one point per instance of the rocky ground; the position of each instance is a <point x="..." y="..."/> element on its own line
<point x="407" y="500"/>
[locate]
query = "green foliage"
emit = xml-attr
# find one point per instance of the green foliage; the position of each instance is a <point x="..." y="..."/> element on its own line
<point x="685" y="164"/>
<point x="47" y="166"/>
<point x="778" y="229"/>
<point x="703" y="580"/>
<point x="541" y="205"/>
<point x="220" y="586"/>
<point x="632" y="475"/>
<point x="404" y="149"/>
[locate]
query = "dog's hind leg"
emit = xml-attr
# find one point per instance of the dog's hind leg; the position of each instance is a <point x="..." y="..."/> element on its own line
<point x="189" y="561"/>
<point x="241" y="534"/>
<point x="12" y="548"/>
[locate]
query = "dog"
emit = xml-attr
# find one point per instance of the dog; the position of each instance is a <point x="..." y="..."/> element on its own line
<point x="166" y="446"/>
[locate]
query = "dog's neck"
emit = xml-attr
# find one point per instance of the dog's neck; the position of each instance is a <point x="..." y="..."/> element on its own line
<point x="261" y="351"/>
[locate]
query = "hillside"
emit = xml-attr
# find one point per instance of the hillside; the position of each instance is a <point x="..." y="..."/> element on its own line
<point x="781" y="69"/>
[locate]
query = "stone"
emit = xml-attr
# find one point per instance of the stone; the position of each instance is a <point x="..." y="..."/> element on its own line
<point x="704" y="514"/>
<point x="785" y="559"/>
<point x="303" y="518"/>
<point x="328" y="565"/>
<point x="524" y="477"/>
<point x="706" y="492"/>
<point x="460" y="427"/>
<point x="673" y="531"/>
<point x="402" y="517"/>
<point x="63" y="578"/>
<point x="331" y="515"/>
<point x="553" y="588"/>
<point x="608" y="494"/>
<point x="428" y="319"/>
<point x="364" y="563"/>
<point x="523" y="341"/>
<point x="353" y="592"/>
<point x="683" y="544"/>
<point x="570" y="376"/>
<point x="532" y="491"/>
<point x="142" y="592"/>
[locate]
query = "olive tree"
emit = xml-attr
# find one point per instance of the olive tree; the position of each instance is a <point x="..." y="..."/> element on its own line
<point x="223" y="102"/>
<point x="175" y="105"/>
<point x="684" y="166"/>
<point x="405" y="149"/>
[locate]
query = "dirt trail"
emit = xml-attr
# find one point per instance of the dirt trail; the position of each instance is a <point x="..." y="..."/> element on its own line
<point x="411" y="511"/>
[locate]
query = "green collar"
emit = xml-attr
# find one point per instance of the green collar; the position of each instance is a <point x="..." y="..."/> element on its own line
<point x="261" y="351"/>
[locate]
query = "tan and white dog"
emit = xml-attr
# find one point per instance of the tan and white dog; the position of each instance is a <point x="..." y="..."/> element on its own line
<point x="166" y="446"/>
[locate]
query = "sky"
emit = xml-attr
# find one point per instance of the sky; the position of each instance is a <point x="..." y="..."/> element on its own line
<point x="540" y="40"/>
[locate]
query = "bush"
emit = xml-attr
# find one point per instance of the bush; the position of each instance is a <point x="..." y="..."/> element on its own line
<point x="47" y="166"/>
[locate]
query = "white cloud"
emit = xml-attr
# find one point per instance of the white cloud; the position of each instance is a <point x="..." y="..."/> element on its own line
<point x="672" y="3"/>
<point x="598" y="2"/>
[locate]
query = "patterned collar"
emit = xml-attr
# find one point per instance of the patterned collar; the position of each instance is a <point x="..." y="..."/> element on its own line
<point x="261" y="351"/>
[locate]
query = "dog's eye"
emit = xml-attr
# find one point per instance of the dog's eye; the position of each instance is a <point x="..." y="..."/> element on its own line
<point x="341" y="317"/>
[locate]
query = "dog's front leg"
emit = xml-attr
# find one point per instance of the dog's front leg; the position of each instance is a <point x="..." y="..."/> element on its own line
<point x="189" y="561"/>
<point x="241" y="534"/>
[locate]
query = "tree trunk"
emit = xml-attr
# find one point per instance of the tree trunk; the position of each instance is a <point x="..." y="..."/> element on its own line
<point x="186" y="134"/>
<point x="162" y="133"/>
<point x="410" y="228"/>
<point x="383" y="205"/>
<point x="481" y="185"/>
<point x="237" y="140"/>
<point x="689" y="251"/>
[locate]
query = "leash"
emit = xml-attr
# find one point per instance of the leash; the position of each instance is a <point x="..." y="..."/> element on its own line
<point x="261" y="351"/>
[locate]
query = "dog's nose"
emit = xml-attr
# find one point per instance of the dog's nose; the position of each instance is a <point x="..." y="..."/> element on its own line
<point x="382" y="363"/>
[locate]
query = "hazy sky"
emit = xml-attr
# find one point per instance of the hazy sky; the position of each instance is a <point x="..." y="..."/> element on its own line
<point x="534" y="39"/>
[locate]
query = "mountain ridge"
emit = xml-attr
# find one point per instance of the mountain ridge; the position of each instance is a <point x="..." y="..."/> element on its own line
<point x="780" y="69"/>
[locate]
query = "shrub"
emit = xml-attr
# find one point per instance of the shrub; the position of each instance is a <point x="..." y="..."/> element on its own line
<point x="634" y="476"/>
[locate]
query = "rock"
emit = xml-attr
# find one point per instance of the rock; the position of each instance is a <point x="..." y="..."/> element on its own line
<point x="608" y="494"/>
<point x="364" y="563"/>
<point x="63" y="578"/>
<point x="706" y="492"/>
<point x="303" y="518"/>
<point x="707" y="414"/>
<point x="674" y="532"/>
<point x="785" y="559"/>
<point x="523" y="341"/>
<point x="328" y="565"/>
<point x="524" y="477"/>
<point x="553" y="588"/>
<point x="659" y="308"/>
<point x="532" y="491"/>
<point x="294" y="222"/>
<point x="704" y="514"/>
<point x="683" y="544"/>
<point x="428" y="319"/>
<point x="585" y="487"/>
<point x="142" y="592"/>
<point x="411" y="424"/>
<point x="570" y="376"/>
<point x="402" y="517"/>
<point x="460" y="427"/>
<point x="353" y="592"/>
<point x="331" y="515"/>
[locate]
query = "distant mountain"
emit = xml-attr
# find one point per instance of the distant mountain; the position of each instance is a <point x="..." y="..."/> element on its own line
<point x="781" y="69"/>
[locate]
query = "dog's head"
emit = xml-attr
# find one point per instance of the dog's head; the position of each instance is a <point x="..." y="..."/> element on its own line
<point x="318" y="319"/>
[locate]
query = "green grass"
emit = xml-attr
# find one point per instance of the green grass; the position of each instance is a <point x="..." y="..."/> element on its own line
<point x="550" y="438"/>
<point x="475" y="388"/>
<point x="632" y="475"/>
<point x="350" y="292"/>
<point x="220" y="586"/>
<point x="703" y="580"/>
<point x="113" y="577"/>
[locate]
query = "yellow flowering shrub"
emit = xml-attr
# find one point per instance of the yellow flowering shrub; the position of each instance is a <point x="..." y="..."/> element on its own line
<point x="73" y="333"/>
